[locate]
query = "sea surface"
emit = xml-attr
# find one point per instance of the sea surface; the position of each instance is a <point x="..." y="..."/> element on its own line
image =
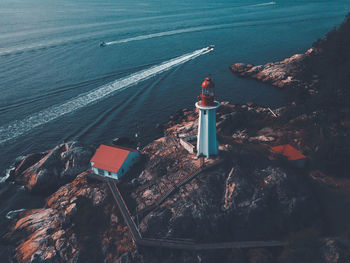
<point x="57" y="84"/>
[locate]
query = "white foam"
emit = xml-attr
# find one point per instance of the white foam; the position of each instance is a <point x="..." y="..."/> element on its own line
<point x="264" y="4"/>
<point x="7" y="175"/>
<point x="16" y="128"/>
<point x="53" y="42"/>
<point x="10" y="215"/>
<point x="4" y="178"/>
<point x="111" y="23"/>
<point x="183" y="30"/>
<point x="162" y="34"/>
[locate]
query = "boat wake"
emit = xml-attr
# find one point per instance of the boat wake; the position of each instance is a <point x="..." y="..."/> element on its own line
<point x="163" y="34"/>
<point x="52" y="43"/>
<point x="263" y="4"/>
<point x="19" y="127"/>
<point x="179" y="31"/>
<point x="77" y="27"/>
<point x="20" y="48"/>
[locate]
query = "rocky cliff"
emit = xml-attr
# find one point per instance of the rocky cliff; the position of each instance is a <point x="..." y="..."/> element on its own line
<point x="323" y="70"/>
<point x="317" y="81"/>
<point x="251" y="195"/>
<point x="45" y="172"/>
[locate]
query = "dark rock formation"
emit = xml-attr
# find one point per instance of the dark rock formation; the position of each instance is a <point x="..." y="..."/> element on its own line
<point x="45" y="172"/>
<point x="280" y="74"/>
<point x="252" y="195"/>
<point x="323" y="71"/>
<point x="78" y="224"/>
<point x="321" y="111"/>
<point x="247" y="204"/>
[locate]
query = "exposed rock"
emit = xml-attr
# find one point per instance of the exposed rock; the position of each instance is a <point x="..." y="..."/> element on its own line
<point x="280" y="74"/>
<point x="257" y="203"/>
<point x="260" y="199"/>
<point x="47" y="171"/>
<point x="53" y="233"/>
<point x="335" y="250"/>
<point x="267" y="201"/>
<point x="262" y="138"/>
<point x="259" y="255"/>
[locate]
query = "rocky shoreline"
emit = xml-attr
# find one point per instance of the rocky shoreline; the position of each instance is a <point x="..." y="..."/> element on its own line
<point x="254" y="194"/>
<point x="283" y="74"/>
<point x="235" y="201"/>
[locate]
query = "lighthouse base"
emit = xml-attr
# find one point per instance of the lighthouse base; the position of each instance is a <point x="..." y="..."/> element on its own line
<point x="207" y="143"/>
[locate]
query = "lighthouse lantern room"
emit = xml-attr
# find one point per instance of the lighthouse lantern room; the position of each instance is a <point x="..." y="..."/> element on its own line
<point x="207" y="143"/>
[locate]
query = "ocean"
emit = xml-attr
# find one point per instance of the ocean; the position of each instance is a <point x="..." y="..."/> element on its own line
<point x="57" y="84"/>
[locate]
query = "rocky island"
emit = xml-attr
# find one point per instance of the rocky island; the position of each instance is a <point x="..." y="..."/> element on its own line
<point x="251" y="194"/>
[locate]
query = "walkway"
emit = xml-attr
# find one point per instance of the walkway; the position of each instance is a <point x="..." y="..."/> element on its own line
<point x="175" y="188"/>
<point x="180" y="243"/>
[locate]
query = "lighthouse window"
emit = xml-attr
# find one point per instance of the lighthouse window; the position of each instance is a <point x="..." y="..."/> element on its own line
<point x="204" y="112"/>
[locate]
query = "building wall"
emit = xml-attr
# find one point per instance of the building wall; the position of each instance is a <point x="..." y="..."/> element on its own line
<point x="104" y="173"/>
<point x="129" y="161"/>
<point x="207" y="143"/>
<point x="189" y="147"/>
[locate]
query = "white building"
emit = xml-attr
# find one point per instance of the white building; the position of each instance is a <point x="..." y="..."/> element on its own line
<point x="113" y="161"/>
<point x="207" y="143"/>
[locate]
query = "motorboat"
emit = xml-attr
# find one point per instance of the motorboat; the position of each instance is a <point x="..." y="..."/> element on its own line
<point x="211" y="47"/>
<point x="103" y="44"/>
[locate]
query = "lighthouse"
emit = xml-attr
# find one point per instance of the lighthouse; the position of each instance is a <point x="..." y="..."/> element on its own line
<point x="207" y="143"/>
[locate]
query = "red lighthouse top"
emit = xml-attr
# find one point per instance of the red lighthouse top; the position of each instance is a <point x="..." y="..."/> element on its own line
<point x="208" y="83"/>
<point x="207" y="96"/>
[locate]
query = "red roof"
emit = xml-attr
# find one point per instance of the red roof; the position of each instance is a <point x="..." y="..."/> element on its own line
<point x="110" y="158"/>
<point x="288" y="151"/>
<point x="208" y="83"/>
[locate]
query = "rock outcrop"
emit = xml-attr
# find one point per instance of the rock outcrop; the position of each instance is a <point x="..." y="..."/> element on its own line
<point x="251" y="195"/>
<point x="249" y="204"/>
<point x="78" y="224"/>
<point x="45" y="172"/>
<point x="281" y="74"/>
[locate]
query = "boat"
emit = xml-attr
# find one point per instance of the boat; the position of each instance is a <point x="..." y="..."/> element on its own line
<point x="211" y="47"/>
<point x="103" y="44"/>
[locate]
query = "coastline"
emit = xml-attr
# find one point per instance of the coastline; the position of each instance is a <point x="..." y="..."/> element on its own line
<point x="254" y="194"/>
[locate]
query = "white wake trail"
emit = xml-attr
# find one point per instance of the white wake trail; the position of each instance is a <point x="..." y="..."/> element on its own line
<point x="264" y="4"/>
<point x="111" y="23"/>
<point x="184" y="30"/>
<point x="170" y="33"/>
<point x="161" y="34"/>
<point x="19" y="127"/>
<point x="53" y="42"/>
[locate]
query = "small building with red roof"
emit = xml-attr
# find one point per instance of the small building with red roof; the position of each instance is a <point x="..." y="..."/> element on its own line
<point x="113" y="161"/>
<point x="292" y="154"/>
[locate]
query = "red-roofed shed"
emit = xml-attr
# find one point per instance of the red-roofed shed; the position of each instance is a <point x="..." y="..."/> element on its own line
<point x="291" y="154"/>
<point x="113" y="161"/>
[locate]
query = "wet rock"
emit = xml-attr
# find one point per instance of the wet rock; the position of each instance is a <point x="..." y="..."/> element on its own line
<point x="45" y="172"/>
<point x="266" y="201"/>
<point x="51" y="234"/>
<point x="262" y="138"/>
<point x="280" y="74"/>
<point x="259" y="255"/>
<point x="335" y="250"/>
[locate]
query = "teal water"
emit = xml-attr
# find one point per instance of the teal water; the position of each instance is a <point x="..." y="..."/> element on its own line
<point x="50" y="55"/>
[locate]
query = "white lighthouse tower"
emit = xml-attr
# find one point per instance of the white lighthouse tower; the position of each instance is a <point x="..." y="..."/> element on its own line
<point x="207" y="143"/>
